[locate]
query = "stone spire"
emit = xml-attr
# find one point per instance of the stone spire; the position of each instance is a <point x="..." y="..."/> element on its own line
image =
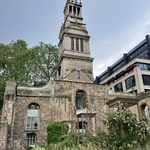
<point x="74" y="50"/>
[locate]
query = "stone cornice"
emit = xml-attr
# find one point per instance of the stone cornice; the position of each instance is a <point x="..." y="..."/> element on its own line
<point x="75" y="57"/>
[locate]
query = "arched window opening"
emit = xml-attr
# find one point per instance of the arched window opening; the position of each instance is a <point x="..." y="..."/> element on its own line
<point x="78" y="11"/>
<point x="80" y="128"/>
<point x="74" y="11"/>
<point x="80" y="100"/>
<point x="145" y="110"/>
<point x="31" y="140"/>
<point x="32" y="117"/>
<point x="70" y="9"/>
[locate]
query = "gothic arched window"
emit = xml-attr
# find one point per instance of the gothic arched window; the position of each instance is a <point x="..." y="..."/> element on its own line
<point x="32" y="117"/>
<point x="80" y="100"/>
<point x="31" y="140"/>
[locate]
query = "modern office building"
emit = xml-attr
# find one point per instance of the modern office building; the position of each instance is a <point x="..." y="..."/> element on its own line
<point x="131" y="73"/>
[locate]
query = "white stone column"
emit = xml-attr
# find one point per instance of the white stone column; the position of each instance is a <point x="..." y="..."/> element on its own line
<point x="79" y="44"/>
<point x="88" y="45"/>
<point x="84" y="45"/>
<point x="138" y="79"/>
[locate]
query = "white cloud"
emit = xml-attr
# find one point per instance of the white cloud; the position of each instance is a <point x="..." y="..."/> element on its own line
<point x="101" y="65"/>
<point x="106" y="42"/>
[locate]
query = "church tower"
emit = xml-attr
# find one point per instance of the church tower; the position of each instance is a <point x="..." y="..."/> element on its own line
<point x="75" y="63"/>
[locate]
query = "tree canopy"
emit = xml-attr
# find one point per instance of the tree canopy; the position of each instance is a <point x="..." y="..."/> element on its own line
<point x="28" y="66"/>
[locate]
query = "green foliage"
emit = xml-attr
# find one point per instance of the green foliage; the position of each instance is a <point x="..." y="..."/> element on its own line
<point x="45" y="62"/>
<point x="125" y="131"/>
<point x="28" y="66"/>
<point x="68" y="140"/>
<point x="55" y="131"/>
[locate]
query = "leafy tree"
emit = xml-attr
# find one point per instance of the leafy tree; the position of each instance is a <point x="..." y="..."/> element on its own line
<point x="45" y="63"/>
<point x="28" y="66"/>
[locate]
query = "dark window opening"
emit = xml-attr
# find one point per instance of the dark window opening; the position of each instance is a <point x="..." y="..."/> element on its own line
<point x="118" y="87"/>
<point x="145" y="110"/>
<point x="81" y="42"/>
<point x="143" y="107"/>
<point x="81" y="128"/>
<point x="78" y="74"/>
<point x="59" y="71"/>
<point x="78" y="11"/>
<point x="70" y="9"/>
<point x="77" y="44"/>
<point x="80" y="100"/>
<point x="147" y="90"/>
<point x="146" y="79"/>
<point x="74" y="11"/>
<point x="130" y="82"/>
<point x="72" y="43"/>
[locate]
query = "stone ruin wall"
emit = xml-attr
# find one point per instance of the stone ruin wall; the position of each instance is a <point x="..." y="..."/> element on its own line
<point x="3" y="135"/>
<point x="57" y="104"/>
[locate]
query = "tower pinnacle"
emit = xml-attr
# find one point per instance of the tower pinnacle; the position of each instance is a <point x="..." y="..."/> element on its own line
<point x="75" y="63"/>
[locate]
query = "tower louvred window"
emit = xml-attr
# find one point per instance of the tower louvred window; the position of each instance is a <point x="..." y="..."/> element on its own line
<point x="77" y="44"/>
<point x="72" y="43"/>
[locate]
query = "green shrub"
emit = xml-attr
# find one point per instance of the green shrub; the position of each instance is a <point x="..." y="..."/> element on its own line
<point x="55" y="130"/>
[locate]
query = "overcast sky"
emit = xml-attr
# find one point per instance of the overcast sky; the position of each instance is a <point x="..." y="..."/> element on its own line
<point x="115" y="26"/>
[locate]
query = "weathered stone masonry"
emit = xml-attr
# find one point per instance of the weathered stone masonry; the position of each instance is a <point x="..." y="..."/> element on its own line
<point x="57" y="101"/>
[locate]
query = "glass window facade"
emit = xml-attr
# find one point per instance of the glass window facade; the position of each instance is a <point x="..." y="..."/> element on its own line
<point x="141" y="52"/>
<point x="146" y="79"/>
<point x="144" y="66"/>
<point x="32" y="117"/>
<point x="118" y="66"/>
<point x="130" y="82"/>
<point x="103" y="77"/>
<point x="118" y="87"/>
